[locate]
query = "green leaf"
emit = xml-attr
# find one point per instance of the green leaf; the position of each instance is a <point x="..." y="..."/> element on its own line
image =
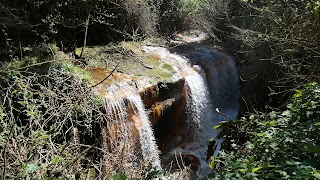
<point x="44" y="136"/>
<point x="286" y="113"/>
<point x="283" y="173"/>
<point x="217" y="126"/>
<point x="32" y="168"/>
<point x="212" y="163"/>
<point x="314" y="149"/>
<point x="119" y="177"/>
<point x="243" y="170"/>
<point x="256" y="169"/>
<point x="55" y="160"/>
<point x="23" y="165"/>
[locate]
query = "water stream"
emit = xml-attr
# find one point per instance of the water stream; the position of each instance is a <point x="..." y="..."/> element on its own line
<point x="117" y="123"/>
<point x="149" y="147"/>
<point x="211" y="83"/>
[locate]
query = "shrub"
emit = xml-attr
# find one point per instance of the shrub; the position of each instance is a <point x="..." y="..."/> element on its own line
<point x="277" y="145"/>
<point x="46" y="115"/>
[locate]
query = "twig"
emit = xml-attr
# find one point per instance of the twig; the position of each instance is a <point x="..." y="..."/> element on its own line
<point x="14" y="16"/>
<point x="106" y="77"/>
<point x="37" y="64"/>
<point x="143" y="64"/>
<point x="81" y="154"/>
<point x="85" y="36"/>
<point x="54" y="56"/>
<point x="4" y="155"/>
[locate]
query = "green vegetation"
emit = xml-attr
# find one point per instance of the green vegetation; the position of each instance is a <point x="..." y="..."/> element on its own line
<point x="49" y="114"/>
<point x="271" y="37"/>
<point x="275" y="145"/>
<point x="167" y="67"/>
<point x="45" y="108"/>
<point x="76" y="70"/>
<point x="285" y="33"/>
<point x="132" y="60"/>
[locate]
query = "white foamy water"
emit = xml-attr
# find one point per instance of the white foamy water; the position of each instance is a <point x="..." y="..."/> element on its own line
<point x="116" y="109"/>
<point x="214" y="86"/>
<point x="149" y="147"/>
<point x="117" y="116"/>
<point x="198" y="99"/>
<point x="116" y="112"/>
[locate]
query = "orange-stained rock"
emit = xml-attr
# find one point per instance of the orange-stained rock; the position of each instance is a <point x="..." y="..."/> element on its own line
<point x="150" y="96"/>
<point x="154" y="56"/>
<point x="98" y="74"/>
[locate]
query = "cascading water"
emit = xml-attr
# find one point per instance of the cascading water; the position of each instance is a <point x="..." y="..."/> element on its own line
<point x="149" y="147"/>
<point x="117" y="124"/>
<point x="200" y="115"/>
<point x="223" y="85"/>
<point x="211" y="83"/>
<point x="198" y="99"/>
<point x="222" y="76"/>
<point x="213" y="88"/>
<point x="116" y="112"/>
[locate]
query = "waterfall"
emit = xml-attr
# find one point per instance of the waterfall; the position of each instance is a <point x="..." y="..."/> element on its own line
<point x="149" y="147"/>
<point x="212" y="83"/>
<point x="223" y="80"/>
<point x="117" y="116"/>
<point x="118" y="124"/>
<point x="214" y="87"/>
<point x="200" y="114"/>
<point x="198" y="99"/>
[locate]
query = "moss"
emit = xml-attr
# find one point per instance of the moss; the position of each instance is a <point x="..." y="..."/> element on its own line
<point x="167" y="67"/>
<point x="74" y="69"/>
<point x="132" y="61"/>
<point x="153" y="61"/>
<point x="77" y="51"/>
<point x="133" y="46"/>
<point x="54" y="47"/>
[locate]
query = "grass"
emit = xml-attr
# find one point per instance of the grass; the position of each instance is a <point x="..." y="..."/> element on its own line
<point x="76" y="70"/>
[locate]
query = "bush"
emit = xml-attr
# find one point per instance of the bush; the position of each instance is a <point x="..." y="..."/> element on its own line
<point x="278" y="145"/>
<point x="46" y="116"/>
<point x="284" y="32"/>
<point x="65" y="22"/>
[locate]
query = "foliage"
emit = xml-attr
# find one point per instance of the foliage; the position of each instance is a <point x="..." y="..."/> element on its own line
<point x="64" y="22"/>
<point x="45" y="109"/>
<point x="180" y="15"/>
<point x="276" y="43"/>
<point x="284" y="32"/>
<point x="278" y="145"/>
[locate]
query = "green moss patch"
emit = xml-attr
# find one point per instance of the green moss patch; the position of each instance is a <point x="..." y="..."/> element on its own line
<point x="131" y="59"/>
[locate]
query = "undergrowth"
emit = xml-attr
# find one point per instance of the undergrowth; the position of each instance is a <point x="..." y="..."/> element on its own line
<point x="277" y="145"/>
<point x="44" y="108"/>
